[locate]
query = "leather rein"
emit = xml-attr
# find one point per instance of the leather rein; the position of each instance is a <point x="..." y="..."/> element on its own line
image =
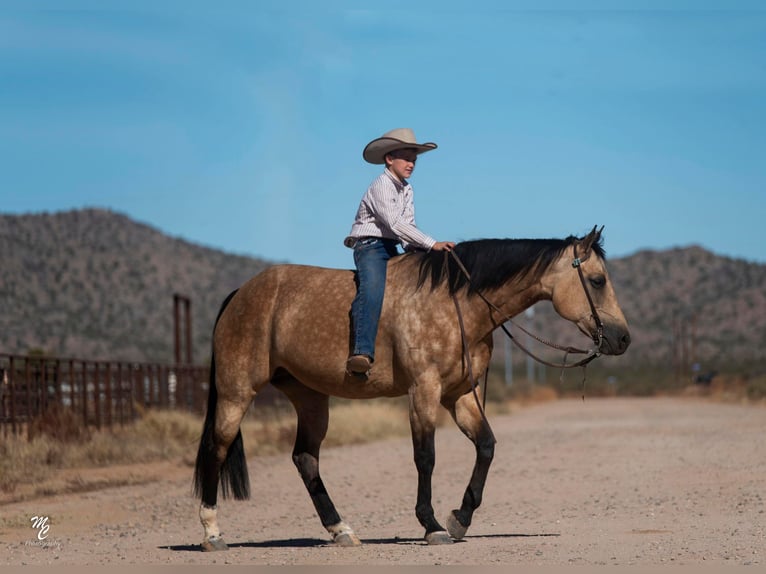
<point x="598" y="338"/>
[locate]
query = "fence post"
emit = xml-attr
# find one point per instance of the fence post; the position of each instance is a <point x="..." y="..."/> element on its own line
<point x="97" y="394"/>
<point x="42" y="386"/>
<point x="134" y="375"/>
<point x="57" y="385"/>
<point x="120" y="395"/>
<point x="84" y="387"/>
<point x="28" y="389"/>
<point x="12" y="385"/>
<point x="109" y="403"/>
<point x="71" y="385"/>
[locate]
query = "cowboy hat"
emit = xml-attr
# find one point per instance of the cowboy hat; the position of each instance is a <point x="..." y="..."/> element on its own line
<point x="400" y="138"/>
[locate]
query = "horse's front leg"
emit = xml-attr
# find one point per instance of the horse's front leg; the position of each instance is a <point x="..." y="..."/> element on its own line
<point x="467" y="414"/>
<point x="424" y="403"/>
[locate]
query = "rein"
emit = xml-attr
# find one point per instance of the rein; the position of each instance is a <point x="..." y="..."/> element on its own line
<point x="592" y="353"/>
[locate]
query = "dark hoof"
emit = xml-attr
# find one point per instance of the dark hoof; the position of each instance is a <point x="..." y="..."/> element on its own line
<point x="438" y="537"/>
<point x="214" y="545"/>
<point x="455" y="529"/>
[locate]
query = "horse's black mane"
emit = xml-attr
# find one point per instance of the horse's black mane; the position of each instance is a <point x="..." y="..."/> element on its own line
<point x="493" y="262"/>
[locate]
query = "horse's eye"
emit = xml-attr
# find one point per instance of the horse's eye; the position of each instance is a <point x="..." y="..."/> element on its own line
<point x="598" y="281"/>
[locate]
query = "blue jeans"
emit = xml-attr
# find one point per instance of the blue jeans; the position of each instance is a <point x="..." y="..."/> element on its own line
<point x="371" y="256"/>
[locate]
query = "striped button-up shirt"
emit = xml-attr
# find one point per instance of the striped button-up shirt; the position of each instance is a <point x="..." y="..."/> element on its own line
<point x="387" y="210"/>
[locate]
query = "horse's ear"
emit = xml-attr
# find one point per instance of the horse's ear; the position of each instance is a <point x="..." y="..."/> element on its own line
<point x="592" y="237"/>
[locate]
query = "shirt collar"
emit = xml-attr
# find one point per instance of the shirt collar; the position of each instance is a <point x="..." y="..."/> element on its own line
<point x="400" y="185"/>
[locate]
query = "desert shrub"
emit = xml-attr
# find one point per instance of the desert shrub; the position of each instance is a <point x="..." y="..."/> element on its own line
<point x="59" y="423"/>
<point x="21" y="460"/>
<point x="756" y="388"/>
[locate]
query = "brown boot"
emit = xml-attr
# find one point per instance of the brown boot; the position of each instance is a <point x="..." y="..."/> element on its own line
<point x="358" y="365"/>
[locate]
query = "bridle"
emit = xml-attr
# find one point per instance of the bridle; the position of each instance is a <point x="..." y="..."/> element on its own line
<point x="598" y="337"/>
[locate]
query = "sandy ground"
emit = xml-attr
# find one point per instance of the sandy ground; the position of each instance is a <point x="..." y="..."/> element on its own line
<point x="601" y="482"/>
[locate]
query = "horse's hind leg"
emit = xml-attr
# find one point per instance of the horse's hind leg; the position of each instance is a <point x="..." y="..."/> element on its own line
<point x="221" y="456"/>
<point x="312" y="408"/>
<point x="467" y="415"/>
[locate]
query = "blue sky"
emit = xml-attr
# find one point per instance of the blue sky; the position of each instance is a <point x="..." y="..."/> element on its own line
<point x="241" y="126"/>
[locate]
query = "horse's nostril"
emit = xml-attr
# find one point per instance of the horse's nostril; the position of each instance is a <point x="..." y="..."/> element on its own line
<point x="625" y="341"/>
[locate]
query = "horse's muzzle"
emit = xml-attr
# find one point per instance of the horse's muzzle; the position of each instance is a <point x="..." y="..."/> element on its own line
<point x="616" y="339"/>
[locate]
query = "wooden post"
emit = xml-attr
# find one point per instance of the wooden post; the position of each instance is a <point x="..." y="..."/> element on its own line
<point x="109" y="403"/>
<point x="187" y="308"/>
<point x="177" y="327"/>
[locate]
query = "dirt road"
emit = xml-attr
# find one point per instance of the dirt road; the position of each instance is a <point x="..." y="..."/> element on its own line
<point x="605" y="481"/>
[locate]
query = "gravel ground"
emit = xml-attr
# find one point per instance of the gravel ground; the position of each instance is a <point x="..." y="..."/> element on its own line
<point x="602" y="482"/>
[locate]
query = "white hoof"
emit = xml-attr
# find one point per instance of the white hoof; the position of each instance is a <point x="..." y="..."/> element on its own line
<point x="347" y="539"/>
<point x="214" y="544"/>
<point x="343" y="535"/>
<point x="438" y="537"/>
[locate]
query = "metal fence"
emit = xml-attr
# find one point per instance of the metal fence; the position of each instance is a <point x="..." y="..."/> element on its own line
<point x="100" y="393"/>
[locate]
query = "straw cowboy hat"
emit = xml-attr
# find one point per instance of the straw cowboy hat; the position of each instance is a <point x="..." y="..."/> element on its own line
<point x="400" y="138"/>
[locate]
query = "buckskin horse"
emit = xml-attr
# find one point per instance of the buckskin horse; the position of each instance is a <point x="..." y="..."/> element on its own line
<point x="290" y="326"/>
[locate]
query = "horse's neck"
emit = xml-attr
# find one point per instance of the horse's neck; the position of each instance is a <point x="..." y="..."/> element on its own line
<point x="487" y="313"/>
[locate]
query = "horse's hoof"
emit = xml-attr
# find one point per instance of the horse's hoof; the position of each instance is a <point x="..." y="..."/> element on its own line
<point x="438" y="537"/>
<point x="214" y="545"/>
<point x="455" y="529"/>
<point x="347" y="539"/>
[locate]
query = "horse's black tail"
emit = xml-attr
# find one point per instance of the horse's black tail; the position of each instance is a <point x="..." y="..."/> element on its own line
<point x="233" y="472"/>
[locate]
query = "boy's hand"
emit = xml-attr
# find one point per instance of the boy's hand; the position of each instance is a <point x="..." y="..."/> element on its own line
<point x="443" y="246"/>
